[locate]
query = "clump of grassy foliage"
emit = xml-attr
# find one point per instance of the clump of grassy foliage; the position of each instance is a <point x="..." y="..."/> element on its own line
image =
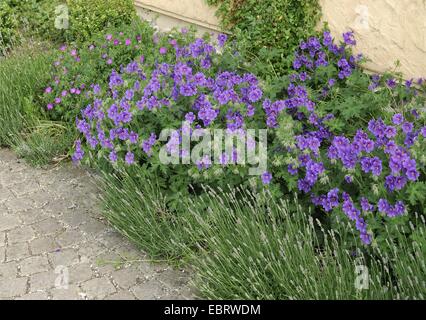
<point x="23" y="124"/>
<point x="45" y="142"/>
<point x="259" y="248"/>
<point x="135" y="205"/>
<point x="250" y="246"/>
<point x="21" y="75"/>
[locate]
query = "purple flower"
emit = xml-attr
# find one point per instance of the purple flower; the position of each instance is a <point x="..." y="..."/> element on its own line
<point x="365" y="205"/>
<point x="348" y="178"/>
<point x="390" y="132"/>
<point x="78" y="153"/>
<point x="148" y="144"/>
<point x="333" y="197"/>
<point x="349" y="38"/>
<point x="221" y="39"/>
<point x="304" y="185"/>
<point x="376" y="166"/>
<point x="292" y="170"/>
<point x="266" y="177"/>
<point x="365" y="238"/>
<point x="254" y="94"/>
<point x="133" y="137"/>
<point x="391" y="83"/>
<point x="407" y="127"/>
<point x="130" y="158"/>
<point x="190" y="117"/>
<point x="113" y="156"/>
<point x="163" y="50"/>
<point x="398" y="119"/>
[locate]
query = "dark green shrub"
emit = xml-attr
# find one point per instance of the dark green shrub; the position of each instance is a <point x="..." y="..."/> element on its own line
<point x="88" y="18"/>
<point x="8" y="27"/>
<point x="37" y="18"/>
<point x="269" y="29"/>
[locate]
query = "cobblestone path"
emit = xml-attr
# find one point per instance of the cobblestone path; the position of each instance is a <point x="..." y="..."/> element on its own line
<point x="54" y="243"/>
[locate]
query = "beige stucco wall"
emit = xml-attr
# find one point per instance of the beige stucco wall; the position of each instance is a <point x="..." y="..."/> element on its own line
<point x="178" y="13"/>
<point x="386" y="30"/>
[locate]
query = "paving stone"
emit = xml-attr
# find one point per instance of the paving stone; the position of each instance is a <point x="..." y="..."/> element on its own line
<point x="72" y="293"/>
<point x="93" y="227"/>
<point x="2" y="238"/>
<point x="66" y="257"/>
<point x="121" y="295"/>
<point x="172" y="297"/>
<point x="17" y="251"/>
<point x="80" y="273"/>
<point x="43" y="245"/>
<point x="43" y="280"/>
<point x="111" y="239"/>
<point x="189" y="292"/>
<point x="3" y="209"/>
<point x="48" y="226"/>
<point x="56" y="207"/>
<point x="173" y="278"/>
<point x="34" y="296"/>
<point x="130" y="252"/>
<point x="70" y="238"/>
<point x="13" y="177"/>
<point x="24" y="188"/>
<point x="19" y="204"/>
<point x="98" y="288"/>
<point x="147" y="270"/>
<point x="8" y="221"/>
<point x="32" y="216"/>
<point x="34" y="265"/>
<point x="8" y="270"/>
<point x="90" y="250"/>
<point x="125" y="278"/>
<point x="5" y="194"/>
<point x="150" y="290"/>
<point x="10" y="288"/>
<point x="108" y="262"/>
<point x="73" y="219"/>
<point x="22" y="234"/>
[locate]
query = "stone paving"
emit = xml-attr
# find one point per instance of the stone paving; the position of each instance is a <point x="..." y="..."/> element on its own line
<point x="55" y="244"/>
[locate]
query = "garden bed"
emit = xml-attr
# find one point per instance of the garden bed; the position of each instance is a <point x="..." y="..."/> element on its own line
<point x="340" y="156"/>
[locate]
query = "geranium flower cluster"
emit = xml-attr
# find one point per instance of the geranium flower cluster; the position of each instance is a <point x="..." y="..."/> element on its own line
<point x="76" y="70"/>
<point x="382" y="153"/>
<point x="142" y="94"/>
